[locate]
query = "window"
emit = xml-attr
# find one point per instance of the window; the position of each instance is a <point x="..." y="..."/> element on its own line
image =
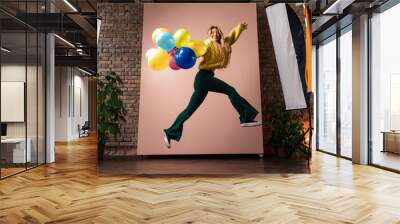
<point x="334" y="94"/>
<point x="326" y="94"/>
<point x="385" y="89"/>
<point x="346" y="92"/>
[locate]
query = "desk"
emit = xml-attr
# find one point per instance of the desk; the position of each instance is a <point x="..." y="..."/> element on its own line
<point x="391" y="141"/>
<point x="16" y="147"/>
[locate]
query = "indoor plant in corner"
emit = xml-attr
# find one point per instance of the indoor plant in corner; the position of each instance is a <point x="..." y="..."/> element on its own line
<point x="110" y="110"/>
<point x="288" y="134"/>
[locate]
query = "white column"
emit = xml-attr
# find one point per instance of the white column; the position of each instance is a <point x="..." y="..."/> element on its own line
<point x="360" y="90"/>
<point x="50" y="94"/>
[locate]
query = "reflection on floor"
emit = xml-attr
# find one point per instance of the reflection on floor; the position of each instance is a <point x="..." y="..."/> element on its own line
<point x="10" y="169"/>
<point x="387" y="159"/>
<point x="202" y="165"/>
<point x="72" y="191"/>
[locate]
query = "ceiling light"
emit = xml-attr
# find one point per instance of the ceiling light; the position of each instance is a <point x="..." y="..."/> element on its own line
<point x="84" y="71"/>
<point x="70" y="5"/>
<point x="5" y="50"/>
<point x="65" y="41"/>
<point x="338" y="6"/>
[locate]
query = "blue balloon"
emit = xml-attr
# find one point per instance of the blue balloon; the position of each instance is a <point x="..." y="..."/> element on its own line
<point x="185" y="57"/>
<point x="165" y="41"/>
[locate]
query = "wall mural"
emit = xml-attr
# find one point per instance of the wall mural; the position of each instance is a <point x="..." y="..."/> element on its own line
<point x="200" y="87"/>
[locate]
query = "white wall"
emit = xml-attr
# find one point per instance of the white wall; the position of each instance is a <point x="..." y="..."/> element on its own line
<point x="17" y="73"/>
<point x="62" y="81"/>
<point x="33" y="126"/>
<point x="12" y="73"/>
<point x="70" y="83"/>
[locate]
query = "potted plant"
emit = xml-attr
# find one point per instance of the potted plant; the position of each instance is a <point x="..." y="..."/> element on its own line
<point x="288" y="134"/>
<point x="110" y="110"/>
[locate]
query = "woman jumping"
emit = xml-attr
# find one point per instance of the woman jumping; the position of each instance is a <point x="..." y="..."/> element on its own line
<point x="217" y="56"/>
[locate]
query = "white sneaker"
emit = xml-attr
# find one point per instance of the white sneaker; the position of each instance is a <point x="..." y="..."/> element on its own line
<point x="251" y="124"/>
<point x="166" y="140"/>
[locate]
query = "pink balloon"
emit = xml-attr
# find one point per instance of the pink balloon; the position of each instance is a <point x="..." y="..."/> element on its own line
<point x="172" y="63"/>
<point x="172" y="52"/>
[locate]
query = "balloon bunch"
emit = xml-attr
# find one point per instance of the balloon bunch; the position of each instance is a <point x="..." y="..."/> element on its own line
<point x="176" y="51"/>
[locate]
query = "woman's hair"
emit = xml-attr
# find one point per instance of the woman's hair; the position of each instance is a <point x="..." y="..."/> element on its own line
<point x="223" y="47"/>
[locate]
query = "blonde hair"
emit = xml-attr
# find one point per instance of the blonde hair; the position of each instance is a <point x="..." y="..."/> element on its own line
<point x="223" y="47"/>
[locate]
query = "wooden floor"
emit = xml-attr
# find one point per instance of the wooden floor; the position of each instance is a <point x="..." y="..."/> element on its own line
<point x="386" y="159"/>
<point x="70" y="191"/>
<point x="10" y="171"/>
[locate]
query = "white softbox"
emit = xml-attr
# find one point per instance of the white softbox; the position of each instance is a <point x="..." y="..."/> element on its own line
<point x="289" y="46"/>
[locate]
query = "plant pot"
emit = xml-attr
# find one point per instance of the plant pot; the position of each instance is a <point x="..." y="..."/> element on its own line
<point x="100" y="151"/>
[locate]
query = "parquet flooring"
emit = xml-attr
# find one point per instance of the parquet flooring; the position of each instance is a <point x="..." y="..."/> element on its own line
<point x="71" y="191"/>
<point x="10" y="171"/>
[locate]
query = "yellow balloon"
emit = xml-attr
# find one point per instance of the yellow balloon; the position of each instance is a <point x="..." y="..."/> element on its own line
<point x="158" y="60"/>
<point x="156" y="32"/>
<point x="181" y="36"/>
<point x="150" y="52"/>
<point x="197" y="46"/>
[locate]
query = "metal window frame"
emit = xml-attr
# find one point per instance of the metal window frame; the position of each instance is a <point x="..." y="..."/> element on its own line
<point x="339" y="32"/>
<point x="381" y="9"/>
<point x="386" y="6"/>
<point x="44" y="76"/>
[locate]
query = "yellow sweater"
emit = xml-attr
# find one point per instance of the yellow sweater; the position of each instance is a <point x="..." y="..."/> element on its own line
<point x="212" y="58"/>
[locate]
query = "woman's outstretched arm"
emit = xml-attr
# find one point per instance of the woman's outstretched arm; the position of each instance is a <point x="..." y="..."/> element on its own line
<point x="233" y="36"/>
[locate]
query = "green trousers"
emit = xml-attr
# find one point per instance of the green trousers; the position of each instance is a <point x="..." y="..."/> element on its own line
<point x="204" y="82"/>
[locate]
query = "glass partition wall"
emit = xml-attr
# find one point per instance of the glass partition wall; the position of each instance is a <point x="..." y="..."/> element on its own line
<point x="385" y="89"/>
<point x="334" y="93"/>
<point x="22" y="92"/>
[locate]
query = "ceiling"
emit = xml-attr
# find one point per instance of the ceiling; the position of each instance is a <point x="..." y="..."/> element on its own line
<point x="74" y="22"/>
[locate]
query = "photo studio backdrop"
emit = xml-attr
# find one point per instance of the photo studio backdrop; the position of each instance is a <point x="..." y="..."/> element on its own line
<point x="154" y="99"/>
<point x="214" y="128"/>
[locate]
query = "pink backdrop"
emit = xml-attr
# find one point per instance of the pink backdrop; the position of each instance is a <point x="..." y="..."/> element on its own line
<point x="214" y="128"/>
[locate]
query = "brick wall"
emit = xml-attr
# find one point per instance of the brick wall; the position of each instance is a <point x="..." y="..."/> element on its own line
<point x="271" y="89"/>
<point x="119" y="50"/>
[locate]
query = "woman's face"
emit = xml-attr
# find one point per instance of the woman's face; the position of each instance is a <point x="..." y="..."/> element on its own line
<point x="215" y="35"/>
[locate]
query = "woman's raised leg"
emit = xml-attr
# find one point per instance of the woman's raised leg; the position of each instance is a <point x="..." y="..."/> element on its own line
<point x="246" y="111"/>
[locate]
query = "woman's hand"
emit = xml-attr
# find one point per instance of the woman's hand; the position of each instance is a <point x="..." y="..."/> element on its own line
<point x="222" y="38"/>
<point x="243" y="25"/>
